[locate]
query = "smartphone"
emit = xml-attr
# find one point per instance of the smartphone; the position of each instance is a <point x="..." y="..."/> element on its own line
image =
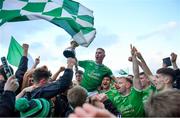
<point x="167" y="61"/>
<point x="6" y="67"/>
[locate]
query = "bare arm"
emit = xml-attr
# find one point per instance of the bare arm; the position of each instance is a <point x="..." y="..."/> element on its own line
<point x="145" y="68"/>
<point x="136" y="79"/>
<point x="61" y="69"/>
<point x="27" y="89"/>
<point x="37" y="61"/>
<point x="25" y="51"/>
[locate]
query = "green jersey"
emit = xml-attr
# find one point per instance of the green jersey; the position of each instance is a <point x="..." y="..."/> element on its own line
<point x="130" y="105"/>
<point x="147" y="92"/>
<point x="93" y="74"/>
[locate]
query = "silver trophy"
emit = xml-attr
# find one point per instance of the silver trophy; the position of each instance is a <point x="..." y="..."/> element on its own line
<point x="70" y="51"/>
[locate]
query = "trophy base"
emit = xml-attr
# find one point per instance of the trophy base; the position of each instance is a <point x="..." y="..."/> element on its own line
<point x="68" y="53"/>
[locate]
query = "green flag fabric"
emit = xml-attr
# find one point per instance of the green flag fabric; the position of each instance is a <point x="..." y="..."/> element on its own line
<point x="73" y="17"/>
<point x="15" y="52"/>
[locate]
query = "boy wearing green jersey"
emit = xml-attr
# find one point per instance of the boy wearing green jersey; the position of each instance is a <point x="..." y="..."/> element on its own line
<point x="147" y="87"/>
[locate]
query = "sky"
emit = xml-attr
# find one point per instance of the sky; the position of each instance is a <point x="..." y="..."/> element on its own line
<point x="153" y="26"/>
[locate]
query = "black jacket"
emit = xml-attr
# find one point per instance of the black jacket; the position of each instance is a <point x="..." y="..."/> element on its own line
<point x="111" y="108"/>
<point x="22" y="68"/>
<point x="7" y="104"/>
<point x="177" y="79"/>
<point x="51" y="90"/>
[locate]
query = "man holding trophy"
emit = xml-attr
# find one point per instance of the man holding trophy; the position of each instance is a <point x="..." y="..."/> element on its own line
<point x="93" y="70"/>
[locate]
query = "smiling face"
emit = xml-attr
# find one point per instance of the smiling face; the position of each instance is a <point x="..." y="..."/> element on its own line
<point x="99" y="56"/>
<point x="160" y="81"/>
<point x="106" y="83"/>
<point x="122" y="85"/>
<point x="144" y="80"/>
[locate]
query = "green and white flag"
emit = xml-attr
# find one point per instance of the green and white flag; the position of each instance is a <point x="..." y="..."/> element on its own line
<point x="123" y="72"/>
<point x="15" y="52"/>
<point x="73" y="17"/>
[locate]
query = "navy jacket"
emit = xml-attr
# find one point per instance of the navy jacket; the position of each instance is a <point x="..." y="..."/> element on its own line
<point x="52" y="89"/>
<point x="7" y="104"/>
<point x="177" y="79"/>
<point x="22" y="68"/>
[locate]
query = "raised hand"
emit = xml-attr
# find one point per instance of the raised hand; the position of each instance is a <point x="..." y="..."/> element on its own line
<point x="11" y="84"/>
<point x="62" y="68"/>
<point x="173" y="60"/>
<point x="173" y="57"/>
<point x="70" y="62"/>
<point x="133" y="50"/>
<point x="130" y="59"/>
<point x="37" y="60"/>
<point x="102" y="97"/>
<point x="25" y="47"/>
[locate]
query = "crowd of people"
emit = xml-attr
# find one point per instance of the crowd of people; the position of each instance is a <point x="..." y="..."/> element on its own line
<point x="95" y="92"/>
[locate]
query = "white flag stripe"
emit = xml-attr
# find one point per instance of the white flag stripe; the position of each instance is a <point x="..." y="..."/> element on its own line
<point x="89" y="36"/>
<point x="83" y="23"/>
<point x="79" y="39"/>
<point x="13" y="4"/>
<point x="59" y="2"/>
<point x="30" y="61"/>
<point x="34" y="1"/>
<point x="84" y="11"/>
<point x="50" y="6"/>
<point x="65" y="14"/>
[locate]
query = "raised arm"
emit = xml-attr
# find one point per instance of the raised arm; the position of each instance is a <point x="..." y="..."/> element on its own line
<point x="173" y="60"/>
<point x="145" y="68"/>
<point x="23" y="66"/>
<point x="54" y="88"/>
<point x="37" y="61"/>
<point x="55" y="75"/>
<point x="136" y="79"/>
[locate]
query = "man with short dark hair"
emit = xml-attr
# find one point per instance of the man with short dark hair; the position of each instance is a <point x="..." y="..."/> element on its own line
<point x="94" y="71"/>
<point x="147" y="87"/>
<point x="105" y="85"/>
<point x="176" y="83"/>
<point x="50" y="90"/>
<point x="78" y="76"/>
<point x="164" y="79"/>
<point x="41" y="75"/>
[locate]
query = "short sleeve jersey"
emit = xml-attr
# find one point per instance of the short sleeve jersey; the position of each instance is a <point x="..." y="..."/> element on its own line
<point x="93" y="74"/>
